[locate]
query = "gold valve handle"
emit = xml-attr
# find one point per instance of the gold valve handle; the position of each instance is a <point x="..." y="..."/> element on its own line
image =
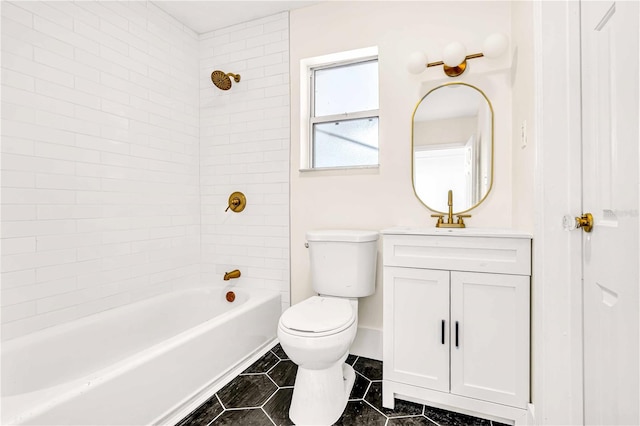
<point x="461" y="218"/>
<point x="233" y="203"/>
<point x="237" y="202"/>
<point x="440" y="219"/>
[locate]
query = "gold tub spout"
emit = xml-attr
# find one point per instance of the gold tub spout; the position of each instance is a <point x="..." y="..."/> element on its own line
<point x="233" y="274"/>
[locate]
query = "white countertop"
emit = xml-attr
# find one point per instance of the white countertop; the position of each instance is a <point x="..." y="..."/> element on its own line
<point x="458" y="232"/>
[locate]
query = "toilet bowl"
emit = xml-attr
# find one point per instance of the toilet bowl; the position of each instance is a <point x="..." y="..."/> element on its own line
<point x="316" y="335"/>
<point x="318" y="332"/>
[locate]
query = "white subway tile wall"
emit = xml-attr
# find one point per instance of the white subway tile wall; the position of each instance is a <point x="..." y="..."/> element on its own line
<point x="119" y="154"/>
<point x="244" y="146"/>
<point x="100" y="159"/>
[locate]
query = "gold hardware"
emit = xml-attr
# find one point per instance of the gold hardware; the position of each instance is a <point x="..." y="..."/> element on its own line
<point x="585" y="222"/>
<point x="222" y="80"/>
<point x="237" y="202"/>
<point x="450" y="223"/>
<point x="440" y="220"/>
<point x="455" y="54"/>
<point x="461" y="219"/>
<point x="457" y="70"/>
<point x="233" y="274"/>
<point x="230" y="296"/>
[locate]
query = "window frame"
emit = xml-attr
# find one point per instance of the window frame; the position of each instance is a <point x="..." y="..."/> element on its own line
<point x="346" y="116"/>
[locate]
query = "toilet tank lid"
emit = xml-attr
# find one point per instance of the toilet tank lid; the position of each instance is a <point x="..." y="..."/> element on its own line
<point x="350" y="235"/>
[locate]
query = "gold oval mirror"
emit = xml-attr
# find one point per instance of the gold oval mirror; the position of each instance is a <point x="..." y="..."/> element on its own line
<point x="452" y="147"/>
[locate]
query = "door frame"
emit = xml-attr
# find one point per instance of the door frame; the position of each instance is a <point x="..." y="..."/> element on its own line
<point x="557" y="394"/>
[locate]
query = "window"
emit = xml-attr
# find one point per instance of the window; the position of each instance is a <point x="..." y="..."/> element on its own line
<point x="343" y="119"/>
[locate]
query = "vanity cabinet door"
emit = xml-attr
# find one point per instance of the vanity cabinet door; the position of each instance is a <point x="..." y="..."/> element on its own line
<point x="416" y="327"/>
<point x="490" y="360"/>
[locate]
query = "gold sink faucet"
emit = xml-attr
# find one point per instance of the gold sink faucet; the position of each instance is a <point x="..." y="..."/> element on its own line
<point x="450" y="223"/>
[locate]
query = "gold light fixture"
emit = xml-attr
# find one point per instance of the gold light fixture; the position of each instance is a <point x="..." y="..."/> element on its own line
<point x="454" y="56"/>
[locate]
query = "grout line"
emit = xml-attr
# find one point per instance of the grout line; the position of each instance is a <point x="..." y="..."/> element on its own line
<point x="220" y="401"/>
<point x="270" y="397"/>
<point x="274" y="382"/>
<point x="406" y="416"/>
<point x="268" y="416"/>
<point x="215" y="418"/>
<point x="431" y="420"/>
<point x="368" y="388"/>
<point x="365" y="392"/>
<point x="371" y="405"/>
<point x="272" y="367"/>
<point x="243" y="408"/>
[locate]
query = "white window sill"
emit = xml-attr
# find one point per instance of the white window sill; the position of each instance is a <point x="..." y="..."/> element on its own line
<point x="320" y="169"/>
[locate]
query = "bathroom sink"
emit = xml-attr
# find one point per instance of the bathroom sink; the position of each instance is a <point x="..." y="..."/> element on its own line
<point x="462" y="232"/>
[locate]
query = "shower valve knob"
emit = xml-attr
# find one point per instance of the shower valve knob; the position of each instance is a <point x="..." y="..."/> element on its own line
<point x="237" y="202"/>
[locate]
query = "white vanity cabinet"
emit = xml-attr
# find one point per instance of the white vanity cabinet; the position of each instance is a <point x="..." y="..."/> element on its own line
<point x="456" y="320"/>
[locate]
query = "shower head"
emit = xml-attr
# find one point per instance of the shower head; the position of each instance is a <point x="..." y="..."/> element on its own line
<point x="222" y="80"/>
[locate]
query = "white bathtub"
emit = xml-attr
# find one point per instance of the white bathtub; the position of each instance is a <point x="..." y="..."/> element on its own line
<point x="133" y="365"/>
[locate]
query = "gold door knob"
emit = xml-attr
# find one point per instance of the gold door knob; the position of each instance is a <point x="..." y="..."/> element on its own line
<point x="585" y="222"/>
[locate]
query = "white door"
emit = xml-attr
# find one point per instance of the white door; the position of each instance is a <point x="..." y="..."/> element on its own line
<point x="417" y="327"/>
<point x="610" y="192"/>
<point x="490" y="337"/>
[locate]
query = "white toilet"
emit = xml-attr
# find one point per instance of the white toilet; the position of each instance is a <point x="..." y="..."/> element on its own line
<point x="317" y="332"/>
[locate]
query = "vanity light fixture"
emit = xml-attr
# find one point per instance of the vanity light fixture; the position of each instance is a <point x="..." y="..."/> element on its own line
<point x="454" y="56"/>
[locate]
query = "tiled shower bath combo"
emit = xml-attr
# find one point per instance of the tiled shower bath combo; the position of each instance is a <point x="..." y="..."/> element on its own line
<point x="116" y="149"/>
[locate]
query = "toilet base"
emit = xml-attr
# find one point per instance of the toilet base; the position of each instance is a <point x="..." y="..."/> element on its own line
<point x="320" y="396"/>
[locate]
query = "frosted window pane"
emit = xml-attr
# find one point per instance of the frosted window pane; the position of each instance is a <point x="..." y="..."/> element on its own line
<point x="346" y="89"/>
<point x="346" y="143"/>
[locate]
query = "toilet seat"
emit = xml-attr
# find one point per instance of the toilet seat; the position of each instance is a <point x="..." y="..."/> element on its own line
<point x="318" y="316"/>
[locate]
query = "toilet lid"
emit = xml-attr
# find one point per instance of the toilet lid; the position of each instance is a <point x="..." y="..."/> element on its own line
<point x="318" y="314"/>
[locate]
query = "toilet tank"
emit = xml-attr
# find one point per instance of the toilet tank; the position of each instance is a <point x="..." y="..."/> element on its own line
<point x="343" y="262"/>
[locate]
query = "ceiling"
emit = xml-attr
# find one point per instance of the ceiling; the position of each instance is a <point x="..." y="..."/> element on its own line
<point x="208" y="15"/>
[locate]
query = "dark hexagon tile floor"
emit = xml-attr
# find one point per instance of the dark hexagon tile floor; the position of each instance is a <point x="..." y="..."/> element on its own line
<point x="261" y="396"/>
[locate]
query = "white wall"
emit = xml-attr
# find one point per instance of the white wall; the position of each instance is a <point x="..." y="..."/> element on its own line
<point x="383" y="197"/>
<point x="524" y="146"/>
<point x="100" y="197"/>
<point x="245" y="147"/>
<point x="525" y="163"/>
<point x="445" y="131"/>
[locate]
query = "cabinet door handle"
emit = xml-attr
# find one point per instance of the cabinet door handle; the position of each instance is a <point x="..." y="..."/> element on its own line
<point x="457" y="334"/>
<point x="442" y="332"/>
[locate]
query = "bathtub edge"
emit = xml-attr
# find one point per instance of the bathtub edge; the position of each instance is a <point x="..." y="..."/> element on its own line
<point x="182" y="410"/>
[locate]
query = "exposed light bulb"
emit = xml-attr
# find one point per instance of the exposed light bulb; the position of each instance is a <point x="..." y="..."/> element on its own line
<point x="454" y="54"/>
<point x="495" y="45"/>
<point x="417" y="63"/>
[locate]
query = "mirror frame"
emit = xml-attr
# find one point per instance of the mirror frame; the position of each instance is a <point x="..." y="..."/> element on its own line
<point x="413" y="182"/>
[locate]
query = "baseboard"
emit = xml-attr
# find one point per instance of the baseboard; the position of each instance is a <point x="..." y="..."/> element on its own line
<point x="368" y="343"/>
<point x="531" y="415"/>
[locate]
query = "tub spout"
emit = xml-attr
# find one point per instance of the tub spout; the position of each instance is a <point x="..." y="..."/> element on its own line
<point x="233" y="274"/>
